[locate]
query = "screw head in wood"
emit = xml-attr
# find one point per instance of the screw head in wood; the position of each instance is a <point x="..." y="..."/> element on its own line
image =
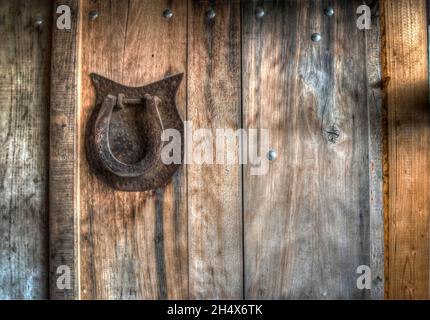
<point x="210" y="14"/>
<point x="316" y="37"/>
<point x="38" y="21"/>
<point x="94" y="14"/>
<point x="259" y="12"/>
<point x="167" y="13"/>
<point x="271" y="155"/>
<point x="329" y="11"/>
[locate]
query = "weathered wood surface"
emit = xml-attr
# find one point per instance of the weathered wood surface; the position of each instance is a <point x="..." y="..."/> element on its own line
<point x="306" y="223"/>
<point x="214" y="190"/>
<point x="24" y="105"/>
<point x="63" y="219"/>
<point x="374" y="101"/>
<point x="307" y="220"/>
<point x="132" y="245"/>
<point x="406" y="96"/>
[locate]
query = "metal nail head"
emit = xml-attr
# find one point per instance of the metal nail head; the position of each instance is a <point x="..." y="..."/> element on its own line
<point x="329" y="11"/>
<point x="210" y="14"/>
<point x="94" y="14"/>
<point x="316" y="37"/>
<point x="167" y="13"/>
<point x="259" y="12"/>
<point x="271" y="155"/>
<point x="38" y="21"/>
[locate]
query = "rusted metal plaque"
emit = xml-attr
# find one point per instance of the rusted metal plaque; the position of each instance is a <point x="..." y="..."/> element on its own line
<point x="123" y="134"/>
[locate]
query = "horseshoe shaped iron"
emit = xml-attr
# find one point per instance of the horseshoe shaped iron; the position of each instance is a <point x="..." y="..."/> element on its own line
<point x="123" y="134"/>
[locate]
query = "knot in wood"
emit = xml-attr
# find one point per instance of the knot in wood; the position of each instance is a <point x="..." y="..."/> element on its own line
<point x="332" y="133"/>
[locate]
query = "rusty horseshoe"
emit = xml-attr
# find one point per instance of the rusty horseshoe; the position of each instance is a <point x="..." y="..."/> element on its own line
<point x="123" y="134"/>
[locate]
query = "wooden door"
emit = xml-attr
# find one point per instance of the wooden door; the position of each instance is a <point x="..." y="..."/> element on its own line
<point x="345" y="110"/>
<point x="217" y="231"/>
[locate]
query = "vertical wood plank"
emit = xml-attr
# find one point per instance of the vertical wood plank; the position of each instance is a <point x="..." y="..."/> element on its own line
<point x="307" y="220"/>
<point x="374" y="101"/>
<point x="132" y="245"/>
<point x="24" y="90"/>
<point x="214" y="190"/>
<point x="406" y="96"/>
<point x="63" y="219"/>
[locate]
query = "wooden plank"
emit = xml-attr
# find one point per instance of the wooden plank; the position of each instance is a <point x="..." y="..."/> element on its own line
<point x="406" y="96"/>
<point x="24" y="78"/>
<point x="63" y="155"/>
<point x="307" y="220"/>
<point x="132" y="245"/>
<point x="214" y="190"/>
<point x="374" y="100"/>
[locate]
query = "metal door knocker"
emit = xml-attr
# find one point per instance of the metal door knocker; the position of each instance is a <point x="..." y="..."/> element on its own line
<point x="123" y="135"/>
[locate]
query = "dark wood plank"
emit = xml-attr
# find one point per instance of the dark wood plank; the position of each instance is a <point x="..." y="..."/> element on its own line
<point x="214" y="190"/>
<point x="132" y="245"/>
<point x="406" y="96"/>
<point x="63" y="197"/>
<point x="307" y="220"/>
<point x="24" y="77"/>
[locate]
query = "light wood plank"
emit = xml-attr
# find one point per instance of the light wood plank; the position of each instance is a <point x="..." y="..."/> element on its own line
<point x="24" y="105"/>
<point x="63" y="229"/>
<point x="406" y="96"/>
<point x="214" y="191"/>
<point x="132" y="245"/>
<point x="307" y="220"/>
<point x="374" y="101"/>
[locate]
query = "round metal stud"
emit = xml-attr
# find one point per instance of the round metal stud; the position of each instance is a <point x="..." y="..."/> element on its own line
<point x="210" y="14"/>
<point x="38" y="21"/>
<point x="316" y="37"/>
<point x="167" y="13"/>
<point x="271" y="155"/>
<point x="259" y="12"/>
<point x="94" y="14"/>
<point x="329" y="11"/>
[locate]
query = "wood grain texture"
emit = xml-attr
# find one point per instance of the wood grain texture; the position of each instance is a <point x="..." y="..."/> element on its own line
<point x="132" y="245"/>
<point x="24" y="105"/>
<point x="308" y="224"/>
<point x="406" y="96"/>
<point x="63" y="219"/>
<point x="214" y="191"/>
<point x="306" y="221"/>
<point x="374" y="101"/>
